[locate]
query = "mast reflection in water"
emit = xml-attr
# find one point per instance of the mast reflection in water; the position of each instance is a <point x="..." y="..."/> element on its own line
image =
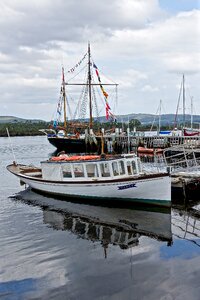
<point x="122" y="227"/>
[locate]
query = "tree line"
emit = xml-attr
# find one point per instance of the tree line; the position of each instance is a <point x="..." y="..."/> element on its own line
<point x="22" y="129"/>
<point x="31" y="129"/>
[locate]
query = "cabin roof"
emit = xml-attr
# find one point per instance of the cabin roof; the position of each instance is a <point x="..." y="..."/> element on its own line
<point x="107" y="159"/>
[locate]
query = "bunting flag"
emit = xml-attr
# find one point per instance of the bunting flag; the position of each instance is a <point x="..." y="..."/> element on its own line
<point x="77" y="65"/>
<point x="108" y="112"/>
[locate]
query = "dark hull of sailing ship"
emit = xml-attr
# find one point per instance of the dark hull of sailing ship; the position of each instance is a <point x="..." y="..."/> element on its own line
<point x="74" y="145"/>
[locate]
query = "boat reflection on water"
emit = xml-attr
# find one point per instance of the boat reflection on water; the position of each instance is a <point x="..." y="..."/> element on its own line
<point x="118" y="226"/>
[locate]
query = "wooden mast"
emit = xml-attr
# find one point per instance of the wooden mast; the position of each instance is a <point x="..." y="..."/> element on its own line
<point x="89" y="87"/>
<point x="89" y="84"/>
<point x="64" y="98"/>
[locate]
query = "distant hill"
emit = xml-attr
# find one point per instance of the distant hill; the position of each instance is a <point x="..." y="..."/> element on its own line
<point x="145" y="119"/>
<point x="11" y="119"/>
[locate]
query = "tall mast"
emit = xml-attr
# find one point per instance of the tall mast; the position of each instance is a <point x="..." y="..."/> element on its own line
<point x="64" y="98"/>
<point x="89" y="86"/>
<point x="183" y="101"/>
<point x="191" y="112"/>
<point x="159" y="120"/>
<point x="177" y="108"/>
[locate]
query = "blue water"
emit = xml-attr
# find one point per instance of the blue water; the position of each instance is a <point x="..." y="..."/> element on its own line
<point x="53" y="249"/>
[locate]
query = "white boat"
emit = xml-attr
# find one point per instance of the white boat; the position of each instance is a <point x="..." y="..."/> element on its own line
<point x="120" y="178"/>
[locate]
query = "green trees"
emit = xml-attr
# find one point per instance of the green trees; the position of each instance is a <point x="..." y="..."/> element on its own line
<point x="32" y="128"/>
<point x="22" y="129"/>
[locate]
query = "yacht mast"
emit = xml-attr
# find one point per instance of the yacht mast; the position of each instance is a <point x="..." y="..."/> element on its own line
<point x="183" y="101"/>
<point x="191" y="112"/>
<point x="159" y="120"/>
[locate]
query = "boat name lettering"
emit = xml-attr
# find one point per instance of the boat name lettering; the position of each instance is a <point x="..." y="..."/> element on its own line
<point x="127" y="186"/>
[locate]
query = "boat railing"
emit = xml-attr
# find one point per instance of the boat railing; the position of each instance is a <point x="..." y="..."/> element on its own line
<point x="158" y="165"/>
<point x="181" y="158"/>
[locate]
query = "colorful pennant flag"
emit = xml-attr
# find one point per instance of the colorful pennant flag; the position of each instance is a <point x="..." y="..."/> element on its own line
<point x="108" y="112"/>
<point x="77" y="65"/>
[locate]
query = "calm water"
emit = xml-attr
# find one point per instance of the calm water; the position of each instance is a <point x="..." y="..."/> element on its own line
<point x="52" y="249"/>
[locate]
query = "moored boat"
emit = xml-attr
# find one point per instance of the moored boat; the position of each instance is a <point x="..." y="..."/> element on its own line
<point x="120" y="178"/>
<point x="77" y="135"/>
<point x="191" y="132"/>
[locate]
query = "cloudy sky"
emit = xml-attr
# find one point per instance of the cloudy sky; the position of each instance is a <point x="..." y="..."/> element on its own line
<point x="143" y="45"/>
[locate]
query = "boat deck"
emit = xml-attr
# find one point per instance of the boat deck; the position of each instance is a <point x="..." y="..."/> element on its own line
<point x="25" y="170"/>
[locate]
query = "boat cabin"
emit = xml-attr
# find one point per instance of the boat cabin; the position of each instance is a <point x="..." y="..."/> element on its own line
<point x="90" y="170"/>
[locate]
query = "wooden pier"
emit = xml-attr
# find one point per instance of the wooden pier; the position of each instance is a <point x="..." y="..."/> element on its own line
<point x="125" y="144"/>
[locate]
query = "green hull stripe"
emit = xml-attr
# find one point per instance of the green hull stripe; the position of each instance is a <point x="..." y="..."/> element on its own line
<point x="164" y="203"/>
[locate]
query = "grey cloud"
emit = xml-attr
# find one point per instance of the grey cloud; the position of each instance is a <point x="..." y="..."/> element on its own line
<point x="33" y="25"/>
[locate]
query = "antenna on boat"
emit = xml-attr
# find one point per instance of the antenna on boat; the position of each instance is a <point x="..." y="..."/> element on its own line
<point x="14" y="162"/>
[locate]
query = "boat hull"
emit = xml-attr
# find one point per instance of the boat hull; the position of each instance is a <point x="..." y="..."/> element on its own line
<point x="155" y="191"/>
<point x="73" y="145"/>
<point x="68" y="145"/>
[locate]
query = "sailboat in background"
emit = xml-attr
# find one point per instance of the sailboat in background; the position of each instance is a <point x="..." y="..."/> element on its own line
<point x="78" y="136"/>
<point x="191" y="131"/>
<point x="185" y="130"/>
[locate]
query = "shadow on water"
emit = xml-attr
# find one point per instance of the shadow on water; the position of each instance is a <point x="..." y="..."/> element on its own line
<point x="109" y="225"/>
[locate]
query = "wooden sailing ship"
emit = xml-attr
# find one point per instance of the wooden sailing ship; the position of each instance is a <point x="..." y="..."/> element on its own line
<point x="76" y="136"/>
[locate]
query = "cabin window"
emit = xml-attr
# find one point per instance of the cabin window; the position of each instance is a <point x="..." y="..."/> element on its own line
<point x="105" y="172"/>
<point x="121" y="167"/>
<point x="129" y="169"/>
<point x="92" y="170"/>
<point x="66" y="170"/>
<point x="115" y="168"/>
<point x="139" y="166"/>
<point x="78" y="170"/>
<point x="134" y="167"/>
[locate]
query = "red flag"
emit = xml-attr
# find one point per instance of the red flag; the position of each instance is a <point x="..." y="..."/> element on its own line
<point x="107" y="114"/>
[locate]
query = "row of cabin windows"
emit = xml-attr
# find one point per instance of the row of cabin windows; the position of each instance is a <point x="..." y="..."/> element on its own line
<point x="118" y="168"/>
